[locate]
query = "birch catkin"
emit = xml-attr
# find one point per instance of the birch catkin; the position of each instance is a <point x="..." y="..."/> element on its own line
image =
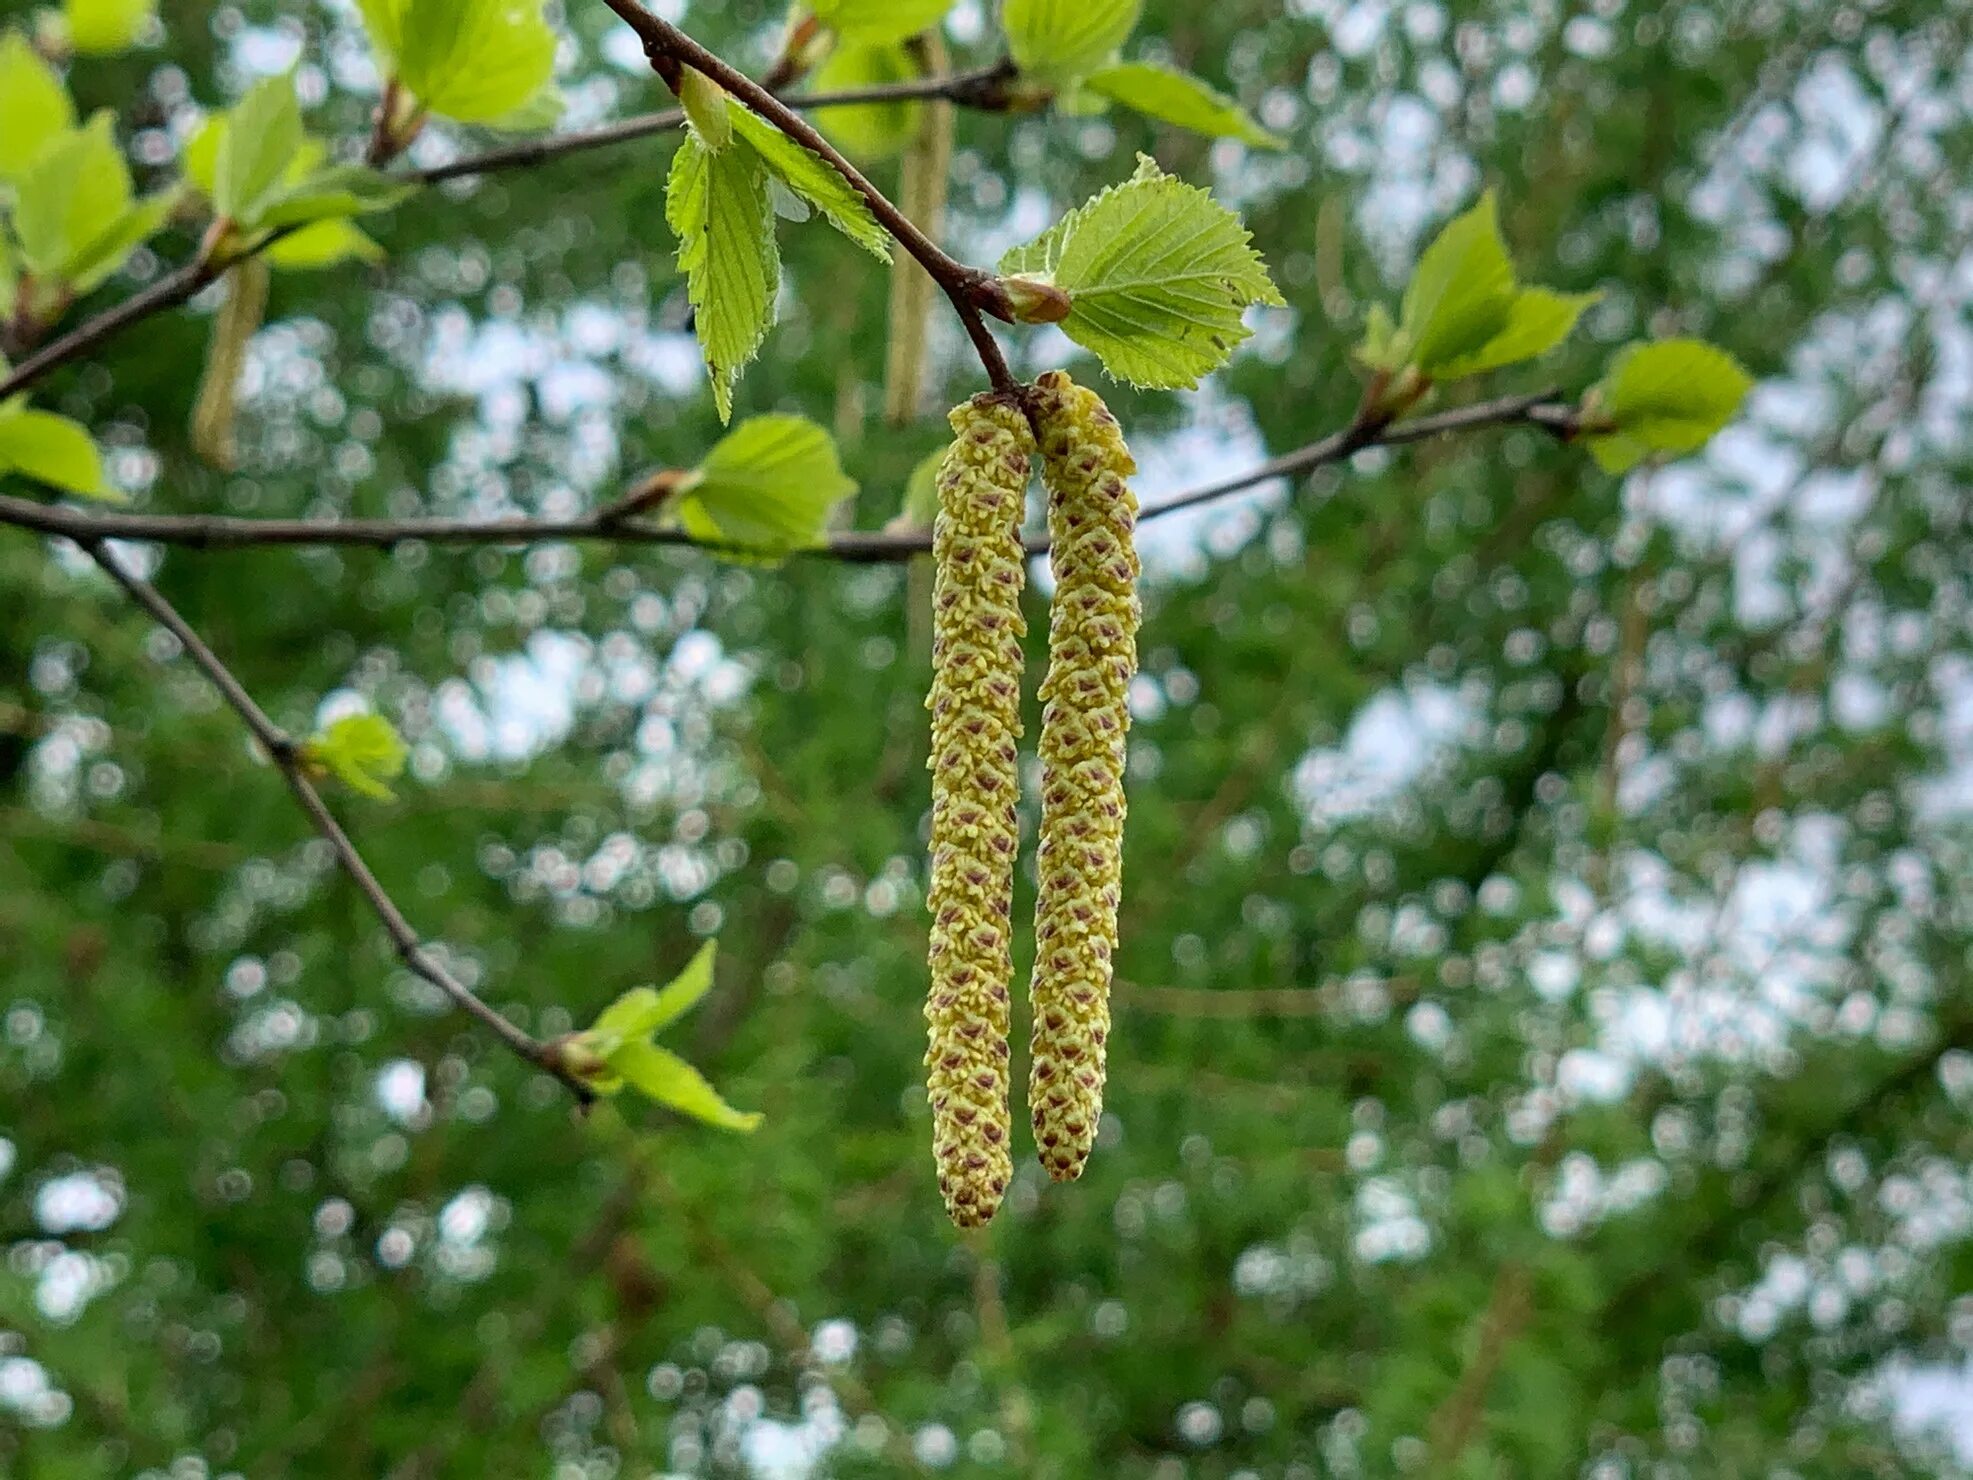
<point x="1092" y="653"/>
<point x="976" y="718"/>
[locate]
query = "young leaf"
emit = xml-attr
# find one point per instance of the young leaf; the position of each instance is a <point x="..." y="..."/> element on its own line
<point x="717" y="206"/>
<point x="262" y="136"/>
<point x="541" y="110"/>
<point x="1157" y="273"/>
<point x="1462" y="291"/>
<point x="665" y="1077"/>
<point x="1057" y="40"/>
<point x="363" y="751"/>
<point x="1463" y="312"/>
<point x="1670" y="396"/>
<point x="34" y="107"/>
<point x="324" y="244"/>
<point x="1178" y="98"/>
<point x="815" y="180"/>
<point x="768" y="485"/>
<point x="707" y="108"/>
<point x="1537" y="321"/>
<point x="77" y="189"/>
<point x="476" y="61"/>
<point x="339" y="190"/>
<point x="641" y="1011"/>
<point x="869" y="130"/>
<point x="99" y="27"/>
<point x="106" y="253"/>
<point x="51" y="449"/>
<point x="880" y="22"/>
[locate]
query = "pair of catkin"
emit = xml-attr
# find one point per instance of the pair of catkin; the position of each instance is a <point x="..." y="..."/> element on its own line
<point x="975" y="705"/>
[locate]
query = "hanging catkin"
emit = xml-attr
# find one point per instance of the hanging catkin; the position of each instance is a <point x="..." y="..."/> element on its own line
<point x="1092" y="653"/>
<point x="976" y="718"/>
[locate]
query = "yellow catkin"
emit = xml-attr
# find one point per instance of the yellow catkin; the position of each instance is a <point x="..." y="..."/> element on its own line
<point x="975" y="702"/>
<point x="1092" y="653"/>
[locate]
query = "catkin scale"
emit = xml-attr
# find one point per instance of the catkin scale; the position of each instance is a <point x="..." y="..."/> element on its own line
<point x="1092" y="655"/>
<point x="975" y="701"/>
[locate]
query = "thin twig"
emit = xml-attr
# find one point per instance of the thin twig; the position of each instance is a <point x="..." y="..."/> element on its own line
<point x="286" y="755"/>
<point x="227" y="532"/>
<point x="969" y="288"/>
<point x="982" y="89"/>
<point x="977" y="89"/>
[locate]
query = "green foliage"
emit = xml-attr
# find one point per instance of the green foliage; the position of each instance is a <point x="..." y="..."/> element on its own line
<point x="870" y="130"/>
<point x="706" y="108"/>
<point x="101" y="27"/>
<point x="278" y="180"/>
<point x="76" y="215"/>
<point x="35" y="109"/>
<point x="717" y="206"/>
<point x="616" y="1051"/>
<point x="263" y="134"/>
<point x="476" y="61"/>
<point x="1060" y="40"/>
<point x="815" y="181"/>
<point x="50" y="450"/>
<point x="1178" y="98"/>
<point x="1667" y="397"/>
<point x="1158" y="275"/>
<point x="1463" y="311"/>
<point x="880" y="22"/>
<point x="1345" y="1098"/>
<point x="767" y="486"/>
<point x="363" y="751"/>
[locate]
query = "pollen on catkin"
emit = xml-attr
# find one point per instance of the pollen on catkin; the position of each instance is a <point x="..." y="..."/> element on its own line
<point x="975" y="702"/>
<point x="1092" y="654"/>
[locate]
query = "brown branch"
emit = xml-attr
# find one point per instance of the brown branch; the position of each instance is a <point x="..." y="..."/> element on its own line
<point x="969" y="288"/>
<point x="286" y="755"/>
<point x="1455" y="1421"/>
<point x="227" y="532"/>
<point x="985" y="89"/>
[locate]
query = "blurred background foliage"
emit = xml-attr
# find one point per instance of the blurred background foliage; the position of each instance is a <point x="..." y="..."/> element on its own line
<point x="1544" y="1042"/>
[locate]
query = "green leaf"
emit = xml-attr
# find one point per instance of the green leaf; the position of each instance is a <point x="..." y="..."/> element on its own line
<point x="104" y="255"/>
<point x="1055" y="40"/>
<point x="51" y="449"/>
<point x="1158" y="274"/>
<point x="668" y="1079"/>
<point x="869" y="130"/>
<point x="99" y="27"/>
<point x="717" y="206"/>
<point x="1667" y="397"/>
<point x="641" y="1011"/>
<point x="1537" y="321"/>
<point x="340" y="190"/>
<point x="383" y="22"/>
<point x="707" y="108"/>
<point x="1178" y="98"/>
<point x="768" y="485"/>
<point x="471" y="60"/>
<point x="77" y="190"/>
<point x="324" y="244"/>
<point x="815" y="180"/>
<point x="262" y="136"/>
<point x="1462" y="292"/>
<point x="880" y="22"/>
<point x="199" y="163"/>
<point x="542" y="109"/>
<point x="34" y="107"/>
<point x="363" y="751"/>
<point x="1381" y="348"/>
